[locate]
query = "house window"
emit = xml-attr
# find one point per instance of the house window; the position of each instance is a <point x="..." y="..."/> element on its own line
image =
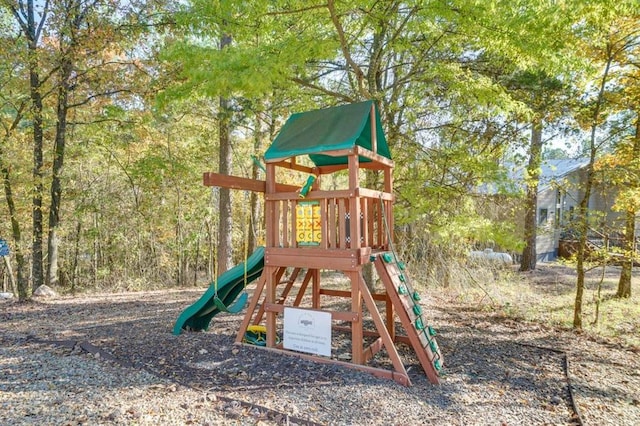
<point x="542" y="216"/>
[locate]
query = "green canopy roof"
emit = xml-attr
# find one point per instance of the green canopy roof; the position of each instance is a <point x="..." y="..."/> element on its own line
<point x="316" y="132"/>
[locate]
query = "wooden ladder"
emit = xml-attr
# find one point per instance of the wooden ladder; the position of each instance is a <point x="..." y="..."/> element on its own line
<point x="405" y="300"/>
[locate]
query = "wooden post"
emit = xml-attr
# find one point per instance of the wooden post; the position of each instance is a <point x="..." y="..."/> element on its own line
<point x="374" y="136"/>
<point x="388" y="205"/>
<point x="272" y="224"/>
<point x="357" y="335"/>
<point x="390" y="316"/>
<point x="315" y="273"/>
<point x="354" y="203"/>
<point x="270" y="219"/>
<point x="270" y="298"/>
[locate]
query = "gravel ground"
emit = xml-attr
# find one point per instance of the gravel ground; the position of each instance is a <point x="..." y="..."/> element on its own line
<point x="45" y="385"/>
<point x="111" y="359"/>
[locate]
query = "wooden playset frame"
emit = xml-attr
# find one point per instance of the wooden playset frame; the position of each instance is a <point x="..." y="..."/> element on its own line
<point x="351" y="229"/>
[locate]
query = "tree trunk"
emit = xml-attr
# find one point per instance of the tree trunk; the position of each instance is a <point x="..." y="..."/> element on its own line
<point x="76" y="257"/>
<point x="58" y="162"/>
<point x="196" y="262"/>
<point x="95" y="259"/>
<point x="254" y="227"/>
<point x="32" y="31"/>
<point x="37" y="271"/>
<point x="210" y="250"/>
<point x="225" y="226"/>
<point x="583" y="220"/>
<point x="529" y="253"/>
<point x="624" y="284"/>
<point x="22" y="285"/>
<point x="22" y="277"/>
<point x="582" y="228"/>
<point x="577" y="307"/>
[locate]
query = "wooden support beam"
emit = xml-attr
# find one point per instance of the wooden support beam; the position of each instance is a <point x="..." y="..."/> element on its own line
<point x="364" y="152"/>
<point x="399" y="377"/>
<point x="257" y="294"/>
<point x="371" y="165"/>
<point x="335" y="315"/>
<point x="372" y="193"/>
<point x="399" y="338"/>
<point x="292" y="165"/>
<point x="312" y="258"/>
<point x="325" y="170"/>
<point x="236" y="182"/>
<point x="380" y="326"/>
<point x="313" y="195"/>
<point x="303" y="288"/>
<point x="373" y="349"/>
<point x="347" y="330"/>
<point x="232" y="182"/>
<point x="260" y="313"/>
<point x="289" y="284"/>
<point x="347" y="294"/>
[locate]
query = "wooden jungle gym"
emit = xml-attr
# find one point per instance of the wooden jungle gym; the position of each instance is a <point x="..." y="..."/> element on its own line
<point x="309" y="229"/>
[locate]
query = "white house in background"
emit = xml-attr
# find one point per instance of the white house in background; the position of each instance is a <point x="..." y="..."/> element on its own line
<point x="560" y="191"/>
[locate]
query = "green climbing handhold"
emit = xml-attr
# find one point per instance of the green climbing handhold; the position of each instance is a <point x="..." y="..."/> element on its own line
<point x="416" y="296"/>
<point x="431" y="331"/>
<point x="433" y="346"/>
<point x="437" y="365"/>
<point x="419" y="324"/>
<point x="402" y="277"/>
<point x="417" y="309"/>
<point x="401" y="265"/>
<point x="402" y="290"/>
<point x="387" y="257"/>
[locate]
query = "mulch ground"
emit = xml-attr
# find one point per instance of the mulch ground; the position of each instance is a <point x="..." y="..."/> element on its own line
<point x="497" y="371"/>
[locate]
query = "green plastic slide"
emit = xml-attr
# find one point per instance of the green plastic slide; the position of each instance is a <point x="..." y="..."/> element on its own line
<point x="230" y="284"/>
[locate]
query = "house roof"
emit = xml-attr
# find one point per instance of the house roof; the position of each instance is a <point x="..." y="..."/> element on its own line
<point x="317" y="133"/>
<point x="550" y="171"/>
<point x="553" y="170"/>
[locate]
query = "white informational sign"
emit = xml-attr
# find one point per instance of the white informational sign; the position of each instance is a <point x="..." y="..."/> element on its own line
<point x="307" y="331"/>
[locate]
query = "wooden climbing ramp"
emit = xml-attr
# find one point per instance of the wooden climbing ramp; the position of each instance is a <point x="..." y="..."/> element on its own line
<point x="405" y="299"/>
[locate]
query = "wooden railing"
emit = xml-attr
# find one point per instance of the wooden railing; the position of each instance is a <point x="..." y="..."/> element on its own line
<point x="331" y="220"/>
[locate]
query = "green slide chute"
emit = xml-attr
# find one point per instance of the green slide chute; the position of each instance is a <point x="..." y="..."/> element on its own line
<point x="230" y="284"/>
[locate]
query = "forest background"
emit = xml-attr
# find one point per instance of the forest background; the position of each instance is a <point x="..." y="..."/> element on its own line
<point x="112" y="110"/>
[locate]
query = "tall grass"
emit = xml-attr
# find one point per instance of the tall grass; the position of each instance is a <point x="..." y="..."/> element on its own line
<point x="545" y="296"/>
